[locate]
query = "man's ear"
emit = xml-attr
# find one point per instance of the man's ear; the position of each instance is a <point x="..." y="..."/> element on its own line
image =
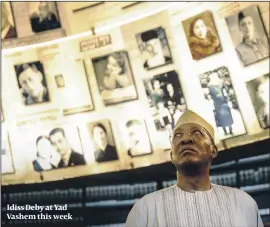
<point x="214" y="151"/>
<point x="171" y="156"/>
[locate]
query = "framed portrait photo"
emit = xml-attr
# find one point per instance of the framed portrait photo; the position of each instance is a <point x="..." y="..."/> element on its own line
<point x="166" y="100"/>
<point x="32" y="83"/>
<point x="219" y="92"/>
<point x="114" y="78"/>
<point x="102" y="143"/>
<point x="248" y="35"/>
<point x="154" y="48"/>
<point x="137" y="138"/>
<point x="258" y="90"/>
<point x="201" y="34"/>
<point x="8" y="29"/>
<point x="7" y="165"/>
<point x="43" y="16"/>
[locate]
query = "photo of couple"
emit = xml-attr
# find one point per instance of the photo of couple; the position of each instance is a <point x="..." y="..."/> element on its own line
<point x="54" y="151"/>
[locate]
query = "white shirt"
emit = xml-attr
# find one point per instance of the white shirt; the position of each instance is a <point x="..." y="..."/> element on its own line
<point x="172" y="207"/>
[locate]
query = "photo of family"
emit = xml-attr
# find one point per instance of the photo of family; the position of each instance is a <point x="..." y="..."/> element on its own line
<point x="259" y="93"/>
<point x="166" y="100"/>
<point x="202" y="35"/>
<point x="219" y="92"/>
<point x="32" y="83"/>
<point x="115" y="78"/>
<point x="154" y="48"/>
<point x="249" y="35"/>
<point x="102" y="141"/>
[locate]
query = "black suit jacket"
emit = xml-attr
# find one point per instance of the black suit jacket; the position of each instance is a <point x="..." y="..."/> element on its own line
<point x="74" y="160"/>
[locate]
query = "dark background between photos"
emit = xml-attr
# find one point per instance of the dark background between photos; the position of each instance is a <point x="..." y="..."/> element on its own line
<point x="106" y="199"/>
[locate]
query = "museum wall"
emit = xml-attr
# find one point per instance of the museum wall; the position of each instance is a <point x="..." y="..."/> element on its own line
<point x="72" y="70"/>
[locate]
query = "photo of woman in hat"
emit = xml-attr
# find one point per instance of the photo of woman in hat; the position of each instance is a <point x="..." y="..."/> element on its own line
<point x="202" y="36"/>
<point x="154" y="45"/>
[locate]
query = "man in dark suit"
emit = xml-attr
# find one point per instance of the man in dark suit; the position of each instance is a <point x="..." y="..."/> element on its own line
<point x="154" y="50"/>
<point x="69" y="156"/>
<point x="7" y="30"/>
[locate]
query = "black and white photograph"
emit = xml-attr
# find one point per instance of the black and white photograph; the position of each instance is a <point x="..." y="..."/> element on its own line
<point x="202" y="35"/>
<point x="32" y="83"/>
<point x="166" y="100"/>
<point x="47" y="148"/>
<point x="218" y="90"/>
<point x="154" y="48"/>
<point x="258" y="90"/>
<point x="102" y="141"/>
<point x="7" y="165"/>
<point x="43" y="16"/>
<point x="59" y="81"/>
<point x="249" y="35"/>
<point x="138" y="138"/>
<point x="8" y="29"/>
<point x="114" y="77"/>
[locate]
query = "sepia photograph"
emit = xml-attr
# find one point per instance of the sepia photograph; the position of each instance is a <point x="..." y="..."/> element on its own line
<point x="154" y="48"/>
<point x="166" y="100"/>
<point x="43" y="16"/>
<point x="138" y="138"/>
<point x="258" y="90"/>
<point x="202" y="36"/>
<point x="8" y="29"/>
<point x="59" y="81"/>
<point x="32" y="83"/>
<point x="219" y="92"/>
<point x="249" y="36"/>
<point x="6" y="156"/>
<point x="47" y="148"/>
<point x="114" y="77"/>
<point x="102" y="141"/>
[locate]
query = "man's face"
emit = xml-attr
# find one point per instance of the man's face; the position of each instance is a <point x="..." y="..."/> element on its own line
<point x="44" y="10"/>
<point x="153" y="47"/>
<point x="135" y="133"/>
<point x="60" y="143"/>
<point x="263" y="92"/>
<point x="247" y="27"/>
<point x="191" y="145"/>
<point x="31" y="82"/>
<point x="100" y="136"/>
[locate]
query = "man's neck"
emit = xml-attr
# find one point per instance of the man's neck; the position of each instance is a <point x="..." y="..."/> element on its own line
<point x="103" y="146"/>
<point x="66" y="157"/>
<point x="192" y="182"/>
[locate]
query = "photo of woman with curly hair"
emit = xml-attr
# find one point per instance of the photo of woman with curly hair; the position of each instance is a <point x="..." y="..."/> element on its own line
<point x="202" y="36"/>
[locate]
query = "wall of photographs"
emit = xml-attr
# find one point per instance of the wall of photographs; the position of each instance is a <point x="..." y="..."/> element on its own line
<point x="109" y="102"/>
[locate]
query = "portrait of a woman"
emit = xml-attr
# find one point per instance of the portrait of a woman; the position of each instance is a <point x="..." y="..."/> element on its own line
<point x="114" y="78"/>
<point x="47" y="156"/>
<point x="202" y="38"/>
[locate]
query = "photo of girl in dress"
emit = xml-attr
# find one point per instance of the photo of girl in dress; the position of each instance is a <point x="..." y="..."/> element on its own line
<point x="166" y="100"/>
<point x="202" y="35"/>
<point x="218" y="90"/>
<point x="114" y="78"/>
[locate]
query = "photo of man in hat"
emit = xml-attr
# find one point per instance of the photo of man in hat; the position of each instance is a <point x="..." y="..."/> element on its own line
<point x="154" y="44"/>
<point x="253" y="44"/>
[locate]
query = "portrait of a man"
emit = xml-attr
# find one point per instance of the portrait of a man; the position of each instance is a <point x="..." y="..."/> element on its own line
<point x="7" y="26"/>
<point x="44" y="17"/>
<point x="202" y="35"/>
<point x="69" y="157"/>
<point x="154" y="47"/>
<point x="114" y="78"/>
<point x="32" y="83"/>
<point x="219" y="92"/>
<point x="138" y="137"/>
<point x="59" y="81"/>
<point x="259" y="93"/>
<point x="249" y="36"/>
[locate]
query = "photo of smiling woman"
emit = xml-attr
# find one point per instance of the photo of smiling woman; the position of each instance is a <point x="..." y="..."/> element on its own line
<point x="202" y="35"/>
<point x="114" y="78"/>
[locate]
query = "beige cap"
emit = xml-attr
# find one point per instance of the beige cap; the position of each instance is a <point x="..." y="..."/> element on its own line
<point x="191" y="117"/>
